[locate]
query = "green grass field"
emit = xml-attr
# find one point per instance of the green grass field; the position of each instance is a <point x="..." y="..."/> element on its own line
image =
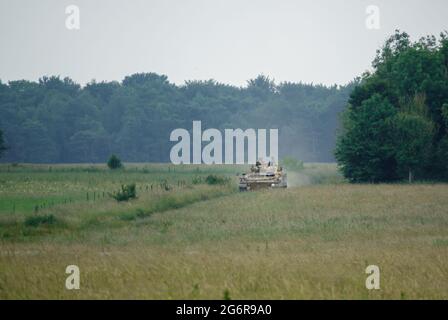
<point x="184" y="239"/>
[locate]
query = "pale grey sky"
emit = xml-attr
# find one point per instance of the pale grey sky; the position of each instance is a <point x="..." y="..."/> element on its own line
<point x="231" y="41"/>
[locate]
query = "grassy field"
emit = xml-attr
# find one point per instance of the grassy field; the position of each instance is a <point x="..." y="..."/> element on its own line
<point x="185" y="239"/>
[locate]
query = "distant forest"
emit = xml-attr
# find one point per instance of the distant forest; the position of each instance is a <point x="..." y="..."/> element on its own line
<point x="57" y="120"/>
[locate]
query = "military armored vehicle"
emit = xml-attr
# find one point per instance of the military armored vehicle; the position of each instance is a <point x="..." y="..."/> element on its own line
<point x="263" y="175"/>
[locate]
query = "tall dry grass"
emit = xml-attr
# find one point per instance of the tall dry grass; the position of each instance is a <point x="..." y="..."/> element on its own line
<point x="312" y="242"/>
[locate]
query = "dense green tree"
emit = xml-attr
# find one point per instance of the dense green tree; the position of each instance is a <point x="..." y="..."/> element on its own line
<point x="415" y="138"/>
<point x="442" y="146"/>
<point x="366" y="151"/>
<point x="412" y="136"/>
<point x="413" y="133"/>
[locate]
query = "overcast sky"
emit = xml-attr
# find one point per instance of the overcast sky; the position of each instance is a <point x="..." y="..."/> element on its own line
<point x="231" y="41"/>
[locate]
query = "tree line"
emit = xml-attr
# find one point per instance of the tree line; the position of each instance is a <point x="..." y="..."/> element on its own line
<point x="56" y="120"/>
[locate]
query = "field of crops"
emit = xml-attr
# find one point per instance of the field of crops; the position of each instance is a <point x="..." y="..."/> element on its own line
<point x="183" y="237"/>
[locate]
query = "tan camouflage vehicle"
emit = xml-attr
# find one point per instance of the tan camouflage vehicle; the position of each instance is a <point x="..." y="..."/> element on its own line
<point x="263" y="175"/>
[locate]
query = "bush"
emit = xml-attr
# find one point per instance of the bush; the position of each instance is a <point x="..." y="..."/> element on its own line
<point x="197" y="180"/>
<point x="35" y="221"/>
<point x="114" y="162"/>
<point x="128" y="191"/>
<point x="214" y="179"/>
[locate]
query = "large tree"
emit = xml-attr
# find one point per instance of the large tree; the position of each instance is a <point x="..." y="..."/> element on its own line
<point x="412" y="132"/>
<point x="414" y="135"/>
<point x="365" y="151"/>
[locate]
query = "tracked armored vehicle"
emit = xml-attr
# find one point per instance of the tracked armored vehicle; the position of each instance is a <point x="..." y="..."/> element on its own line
<point x="263" y="175"/>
